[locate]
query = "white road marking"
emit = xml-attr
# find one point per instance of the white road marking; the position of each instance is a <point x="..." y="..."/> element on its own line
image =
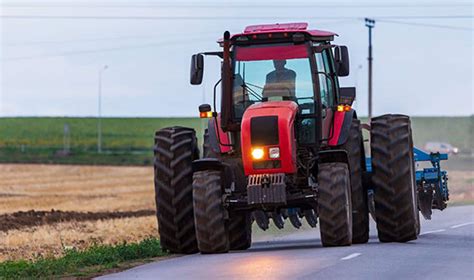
<point x="461" y="225"/>
<point x="351" y="256"/>
<point x="432" y="231"/>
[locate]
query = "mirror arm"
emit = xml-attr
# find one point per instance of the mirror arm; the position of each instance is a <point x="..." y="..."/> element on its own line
<point x="214" y="99"/>
<point x="216" y="53"/>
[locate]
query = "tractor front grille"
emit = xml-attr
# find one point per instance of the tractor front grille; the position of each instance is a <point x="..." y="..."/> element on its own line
<point x="266" y="189"/>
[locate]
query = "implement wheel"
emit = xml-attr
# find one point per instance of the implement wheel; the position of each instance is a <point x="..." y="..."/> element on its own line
<point x="209" y="213"/>
<point x="393" y="177"/>
<point x="175" y="149"/>
<point x="334" y="204"/>
<point x="360" y="210"/>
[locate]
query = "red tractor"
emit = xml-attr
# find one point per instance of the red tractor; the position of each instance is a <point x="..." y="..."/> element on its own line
<point x="286" y="145"/>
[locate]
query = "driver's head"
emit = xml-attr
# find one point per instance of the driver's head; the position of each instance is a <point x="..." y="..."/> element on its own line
<point x="279" y="64"/>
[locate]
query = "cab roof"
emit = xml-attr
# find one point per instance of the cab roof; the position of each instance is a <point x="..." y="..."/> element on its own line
<point x="284" y="27"/>
<point x="267" y="31"/>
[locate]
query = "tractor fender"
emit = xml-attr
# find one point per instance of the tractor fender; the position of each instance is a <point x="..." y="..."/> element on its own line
<point x="341" y="127"/>
<point x="207" y="164"/>
<point x="328" y="156"/>
<point x="228" y="176"/>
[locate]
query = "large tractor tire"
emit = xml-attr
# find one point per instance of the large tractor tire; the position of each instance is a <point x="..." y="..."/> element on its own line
<point x="334" y="204"/>
<point x="209" y="214"/>
<point x="393" y="178"/>
<point x="240" y="230"/>
<point x="360" y="209"/>
<point x="175" y="149"/>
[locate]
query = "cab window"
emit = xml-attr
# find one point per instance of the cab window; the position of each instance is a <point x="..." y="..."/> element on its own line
<point x="326" y="86"/>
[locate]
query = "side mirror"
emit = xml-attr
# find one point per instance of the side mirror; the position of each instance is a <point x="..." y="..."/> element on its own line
<point x="342" y="61"/>
<point x="346" y="95"/>
<point x="197" y="69"/>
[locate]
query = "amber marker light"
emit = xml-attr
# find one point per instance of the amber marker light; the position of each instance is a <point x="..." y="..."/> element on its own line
<point x="344" y="108"/>
<point x="204" y="115"/>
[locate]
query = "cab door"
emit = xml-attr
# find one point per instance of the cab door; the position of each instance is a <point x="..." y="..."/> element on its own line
<point x="326" y="86"/>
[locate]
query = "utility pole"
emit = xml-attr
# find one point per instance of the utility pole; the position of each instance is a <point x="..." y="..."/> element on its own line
<point x="99" y="119"/>
<point x="370" y="23"/>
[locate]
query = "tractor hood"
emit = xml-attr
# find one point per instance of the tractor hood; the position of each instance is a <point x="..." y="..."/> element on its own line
<point x="268" y="138"/>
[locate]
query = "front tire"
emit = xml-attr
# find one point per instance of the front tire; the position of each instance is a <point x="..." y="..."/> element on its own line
<point x="393" y="178"/>
<point x="209" y="213"/>
<point x="240" y="230"/>
<point x="334" y="204"/>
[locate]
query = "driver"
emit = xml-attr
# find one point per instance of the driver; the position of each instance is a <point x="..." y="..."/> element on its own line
<point x="280" y="82"/>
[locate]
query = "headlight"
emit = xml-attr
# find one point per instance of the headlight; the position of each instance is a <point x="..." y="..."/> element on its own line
<point x="257" y="153"/>
<point x="274" y="152"/>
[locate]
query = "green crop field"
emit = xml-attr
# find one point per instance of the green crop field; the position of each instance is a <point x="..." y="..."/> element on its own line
<point x="130" y="140"/>
<point x="125" y="141"/>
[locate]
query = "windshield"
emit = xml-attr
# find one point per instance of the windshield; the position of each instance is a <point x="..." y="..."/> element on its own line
<point x="268" y="73"/>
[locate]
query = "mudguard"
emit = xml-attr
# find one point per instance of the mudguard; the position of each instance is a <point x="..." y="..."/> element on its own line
<point x="207" y="164"/>
<point x="333" y="156"/>
<point x="341" y="127"/>
<point x="228" y="176"/>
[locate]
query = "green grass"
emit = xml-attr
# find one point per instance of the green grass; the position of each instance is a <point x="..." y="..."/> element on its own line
<point x="129" y="141"/>
<point x="126" y="141"/>
<point x="118" y="133"/>
<point x="85" y="263"/>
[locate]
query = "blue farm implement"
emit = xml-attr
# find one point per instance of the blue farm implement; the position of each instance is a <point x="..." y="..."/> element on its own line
<point x="431" y="182"/>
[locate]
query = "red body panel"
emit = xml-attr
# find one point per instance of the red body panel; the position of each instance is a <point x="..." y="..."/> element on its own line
<point x="286" y="112"/>
<point x="224" y="137"/>
<point x="271" y="52"/>
<point x="338" y="121"/>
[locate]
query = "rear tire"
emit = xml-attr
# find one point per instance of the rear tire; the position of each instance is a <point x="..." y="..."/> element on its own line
<point x="175" y="149"/>
<point x="360" y="209"/>
<point x="209" y="213"/>
<point x="393" y="178"/>
<point x="334" y="204"/>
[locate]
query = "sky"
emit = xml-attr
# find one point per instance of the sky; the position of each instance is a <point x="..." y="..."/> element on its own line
<point x="52" y="52"/>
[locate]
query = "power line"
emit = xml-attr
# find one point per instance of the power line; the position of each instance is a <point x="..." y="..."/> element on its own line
<point x="427" y="25"/>
<point x="77" y="40"/>
<point x="69" y="53"/>
<point x="227" y="17"/>
<point x="85" y="40"/>
<point x="235" y="5"/>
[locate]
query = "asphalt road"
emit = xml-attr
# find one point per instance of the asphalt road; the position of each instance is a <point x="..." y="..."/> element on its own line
<point x="444" y="250"/>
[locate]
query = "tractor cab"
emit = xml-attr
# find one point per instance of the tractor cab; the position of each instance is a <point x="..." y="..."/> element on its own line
<point x="280" y="62"/>
<point x="278" y="79"/>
